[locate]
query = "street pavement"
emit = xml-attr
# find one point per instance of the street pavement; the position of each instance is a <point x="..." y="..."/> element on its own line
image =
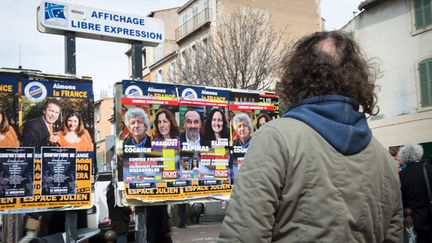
<point x="196" y="233"/>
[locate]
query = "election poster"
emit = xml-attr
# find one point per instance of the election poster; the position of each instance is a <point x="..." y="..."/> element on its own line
<point x="248" y="112"/>
<point x="204" y="140"/>
<point x="8" y="111"/>
<point x="150" y="137"/>
<point x="16" y="176"/>
<point x="16" y="172"/>
<point x="55" y="112"/>
<point x="58" y="171"/>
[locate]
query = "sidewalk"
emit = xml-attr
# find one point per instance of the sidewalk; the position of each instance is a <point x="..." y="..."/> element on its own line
<point x="197" y="233"/>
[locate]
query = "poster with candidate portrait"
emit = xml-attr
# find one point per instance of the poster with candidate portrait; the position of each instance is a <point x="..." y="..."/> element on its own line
<point x="204" y="140"/>
<point x="9" y="111"/>
<point x="248" y="112"/>
<point x="150" y="141"/>
<point x="13" y="182"/>
<point x="55" y="112"/>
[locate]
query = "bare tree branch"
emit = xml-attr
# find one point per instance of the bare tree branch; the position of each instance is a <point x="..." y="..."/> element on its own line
<point x="243" y="52"/>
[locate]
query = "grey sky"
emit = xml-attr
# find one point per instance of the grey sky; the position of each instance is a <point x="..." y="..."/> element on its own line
<point x="105" y="62"/>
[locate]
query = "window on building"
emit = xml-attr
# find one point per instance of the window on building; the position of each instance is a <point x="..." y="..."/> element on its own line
<point x="158" y="53"/>
<point x="425" y="75"/>
<point x="195" y="16"/>
<point x="160" y="76"/>
<point x="144" y="55"/>
<point x="98" y="135"/>
<point x="113" y="128"/>
<point x="422" y="13"/>
<point x="172" y="72"/>
<point x="184" y="25"/>
<point x="182" y="57"/>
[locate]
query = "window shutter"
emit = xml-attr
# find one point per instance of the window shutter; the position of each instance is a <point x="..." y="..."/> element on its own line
<point x="429" y="80"/>
<point x="418" y="14"/>
<point x="425" y="74"/>
<point x="427" y="12"/>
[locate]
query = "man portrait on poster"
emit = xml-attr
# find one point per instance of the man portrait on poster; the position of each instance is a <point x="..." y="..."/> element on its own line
<point x="243" y="127"/>
<point x="40" y="131"/>
<point x="192" y="125"/>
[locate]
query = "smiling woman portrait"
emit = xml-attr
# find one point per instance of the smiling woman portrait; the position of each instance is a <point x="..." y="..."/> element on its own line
<point x="216" y="127"/>
<point x="74" y="134"/>
<point x="166" y="130"/>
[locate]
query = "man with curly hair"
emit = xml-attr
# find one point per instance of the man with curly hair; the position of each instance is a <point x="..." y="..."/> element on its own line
<point x="318" y="174"/>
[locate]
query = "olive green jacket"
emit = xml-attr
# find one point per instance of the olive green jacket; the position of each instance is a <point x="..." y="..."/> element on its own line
<point x="295" y="187"/>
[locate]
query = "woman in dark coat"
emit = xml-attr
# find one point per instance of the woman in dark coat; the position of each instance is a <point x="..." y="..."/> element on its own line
<point x="414" y="193"/>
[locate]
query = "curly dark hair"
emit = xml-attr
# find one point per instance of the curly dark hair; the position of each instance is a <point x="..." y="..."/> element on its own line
<point x="262" y="115"/>
<point x="209" y="133"/>
<point x="328" y="63"/>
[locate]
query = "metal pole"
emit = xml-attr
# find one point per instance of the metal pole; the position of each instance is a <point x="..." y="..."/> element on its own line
<point x="136" y="60"/>
<point x="11" y="227"/>
<point x="141" y="221"/>
<point x="70" y="49"/>
<point x="70" y="67"/>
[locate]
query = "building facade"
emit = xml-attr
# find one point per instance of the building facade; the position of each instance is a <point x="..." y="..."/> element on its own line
<point x="104" y="132"/>
<point x="196" y="20"/>
<point x="398" y="36"/>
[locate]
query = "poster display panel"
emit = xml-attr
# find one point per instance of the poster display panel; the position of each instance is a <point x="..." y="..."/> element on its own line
<point x="204" y="141"/>
<point x="151" y="143"/>
<point x="16" y="172"/>
<point x="56" y="113"/>
<point x="248" y="112"/>
<point x="58" y="171"/>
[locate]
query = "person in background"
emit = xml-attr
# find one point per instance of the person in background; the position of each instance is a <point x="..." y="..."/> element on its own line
<point x="8" y="136"/>
<point x="74" y="134"/>
<point x="262" y="119"/>
<point x="414" y="192"/>
<point x="137" y="122"/>
<point x="318" y="174"/>
<point x="120" y="216"/>
<point x="243" y="128"/>
<point x="394" y="152"/>
<point x="216" y="127"/>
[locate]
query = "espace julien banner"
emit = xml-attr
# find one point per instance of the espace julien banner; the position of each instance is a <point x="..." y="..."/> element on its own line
<point x="46" y="143"/>
<point x="177" y="141"/>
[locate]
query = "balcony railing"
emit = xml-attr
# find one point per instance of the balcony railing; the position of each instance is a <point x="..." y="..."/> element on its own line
<point x="193" y="24"/>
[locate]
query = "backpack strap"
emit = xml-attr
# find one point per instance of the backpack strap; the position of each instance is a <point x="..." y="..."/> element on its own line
<point x="427" y="185"/>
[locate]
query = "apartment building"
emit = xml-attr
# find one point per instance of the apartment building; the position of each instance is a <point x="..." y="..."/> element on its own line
<point x="197" y="19"/>
<point x="104" y="132"/>
<point x="398" y="35"/>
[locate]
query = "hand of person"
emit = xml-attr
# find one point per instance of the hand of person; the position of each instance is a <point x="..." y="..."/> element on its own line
<point x="408" y="222"/>
<point x="54" y="138"/>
